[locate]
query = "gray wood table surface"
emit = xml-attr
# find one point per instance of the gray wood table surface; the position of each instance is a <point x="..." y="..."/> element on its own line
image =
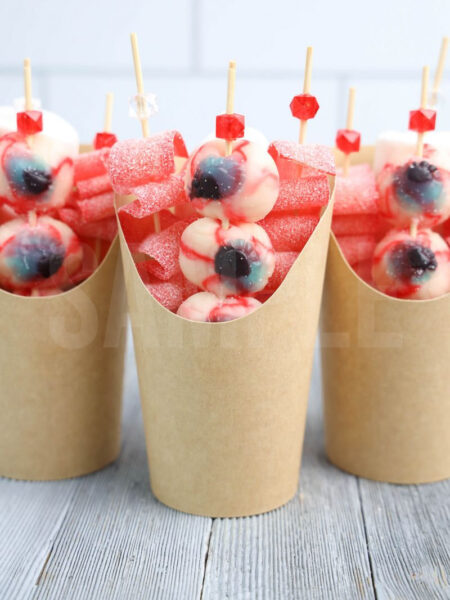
<point x="106" y="536"/>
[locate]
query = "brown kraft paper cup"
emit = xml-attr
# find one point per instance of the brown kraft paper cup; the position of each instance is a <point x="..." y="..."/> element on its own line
<point x="224" y="404"/>
<point x="386" y="379"/>
<point x="61" y="371"/>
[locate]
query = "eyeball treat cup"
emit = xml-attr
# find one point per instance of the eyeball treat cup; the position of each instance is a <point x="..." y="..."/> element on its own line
<point x="61" y="372"/>
<point x="224" y="403"/>
<point x="386" y="380"/>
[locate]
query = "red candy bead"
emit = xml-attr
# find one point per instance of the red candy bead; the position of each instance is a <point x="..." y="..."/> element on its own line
<point x="103" y="139"/>
<point x="422" y="120"/>
<point x="230" y="126"/>
<point x="348" y="140"/>
<point x="29" y="122"/>
<point x="304" y="106"/>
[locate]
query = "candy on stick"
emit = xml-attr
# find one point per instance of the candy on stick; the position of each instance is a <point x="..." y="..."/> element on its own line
<point x="37" y="253"/>
<point x="418" y="189"/>
<point x="27" y="181"/>
<point x="232" y="182"/>
<point x="305" y="106"/>
<point x="412" y="266"/>
<point x="233" y="261"/>
<point x="206" y="307"/>
<point x="348" y="140"/>
<point x="142" y="108"/>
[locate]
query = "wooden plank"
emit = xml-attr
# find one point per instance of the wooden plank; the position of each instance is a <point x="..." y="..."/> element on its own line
<point x="31" y="514"/>
<point x="408" y="529"/>
<point x="314" y="547"/>
<point x="117" y="541"/>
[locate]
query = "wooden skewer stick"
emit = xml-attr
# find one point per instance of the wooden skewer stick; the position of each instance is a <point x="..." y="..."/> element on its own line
<point x="140" y="89"/>
<point x="230" y="97"/>
<point x="27" y="84"/>
<point x="108" y="112"/>
<point x="349" y="125"/>
<point x="139" y="81"/>
<point x="423" y="104"/>
<point x="439" y="71"/>
<point x="306" y="90"/>
<point x="414" y="227"/>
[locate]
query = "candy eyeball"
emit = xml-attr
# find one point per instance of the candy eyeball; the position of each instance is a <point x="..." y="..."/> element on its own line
<point x="414" y="267"/>
<point x="207" y="308"/>
<point x="227" y="262"/>
<point x="27" y="182"/>
<point x="416" y="190"/>
<point x="240" y="187"/>
<point x="44" y="254"/>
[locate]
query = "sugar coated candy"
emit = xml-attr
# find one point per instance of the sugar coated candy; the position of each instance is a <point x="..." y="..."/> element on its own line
<point x="44" y="253"/>
<point x="289" y="232"/>
<point x="27" y="182"/>
<point x="356" y="193"/>
<point x="358" y="224"/>
<point x="227" y="262"/>
<point x="305" y="194"/>
<point x="240" y="187"/>
<point x="301" y="160"/>
<point x="138" y="161"/>
<point x="163" y="248"/>
<point x="208" y="308"/>
<point x="357" y="248"/>
<point x="415" y="190"/>
<point x="412" y="267"/>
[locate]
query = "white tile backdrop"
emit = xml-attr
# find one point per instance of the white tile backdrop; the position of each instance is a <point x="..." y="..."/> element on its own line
<point x="80" y="50"/>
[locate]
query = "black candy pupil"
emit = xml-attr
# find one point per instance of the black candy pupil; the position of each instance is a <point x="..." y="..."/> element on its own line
<point x="36" y="181"/>
<point x="230" y="262"/>
<point x="420" y="172"/>
<point x="421" y="259"/>
<point x="49" y="263"/>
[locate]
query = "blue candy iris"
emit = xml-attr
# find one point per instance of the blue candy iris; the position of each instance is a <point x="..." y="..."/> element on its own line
<point x="419" y="188"/>
<point x="240" y="264"/>
<point x="28" y="175"/>
<point x="216" y="177"/>
<point x="412" y="262"/>
<point x="35" y="256"/>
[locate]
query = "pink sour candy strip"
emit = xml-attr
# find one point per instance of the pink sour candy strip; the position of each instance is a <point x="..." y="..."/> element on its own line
<point x="97" y="208"/>
<point x="91" y="164"/>
<point x="283" y="262"/>
<point x="358" y="225"/>
<point x="304" y="194"/>
<point x="356" y="193"/>
<point x="135" y="162"/>
<point x="87" y="188"/>
<point x="106" y="229"/>
<point x="155" y="196"/>
<point x="290" y="232"/>
<point x="136" y="230"/>
<point x="163" y="248"/>
<point x="168" y="293"/>
<point x="364" y="270"/>
<point x="296" y="160"/>
<point x="357" y="248"/>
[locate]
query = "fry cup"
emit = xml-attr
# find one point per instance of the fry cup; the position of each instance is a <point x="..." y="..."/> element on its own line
<point x="61" y="371"/>
<point x="386" y="380"/>
<point x="224" y="404"/>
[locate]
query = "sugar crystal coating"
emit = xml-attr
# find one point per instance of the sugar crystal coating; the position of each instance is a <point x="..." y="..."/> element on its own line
<point x="305" y="194"/>
<point x="163" y="248"/>
<point x="289" y="232"/>
<point x="135" y="162"/>
<point x="357" y="248"/>
<point x="357" y="192"/>
<point x="297" y="160"/>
